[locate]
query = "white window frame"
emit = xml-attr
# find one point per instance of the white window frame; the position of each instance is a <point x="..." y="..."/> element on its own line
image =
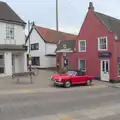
<point x="79" y="63"/>
<point x="99" y="49"/>
<point x="10" y="27"/>
<point x="79" y="46"/>
<point x="118" y="69"/>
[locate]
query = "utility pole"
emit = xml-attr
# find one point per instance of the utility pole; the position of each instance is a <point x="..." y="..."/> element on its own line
<point x="30" y="57"/>
<point x="57" y="23"/>
<point x="28" y="34"/>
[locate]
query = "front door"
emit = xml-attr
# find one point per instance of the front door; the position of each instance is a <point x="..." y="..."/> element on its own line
<point x="105" y="70"/>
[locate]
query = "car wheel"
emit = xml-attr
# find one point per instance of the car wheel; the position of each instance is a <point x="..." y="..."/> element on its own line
<point x="67" y="84"/>
<point x="88" y="83"/>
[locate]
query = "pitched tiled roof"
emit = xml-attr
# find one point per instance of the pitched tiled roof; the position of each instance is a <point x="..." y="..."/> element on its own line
<point x="51" y="36"/>
<point x="66" y="45"/>
<point x="111" y="23"/>
<point x="7" y="14"/>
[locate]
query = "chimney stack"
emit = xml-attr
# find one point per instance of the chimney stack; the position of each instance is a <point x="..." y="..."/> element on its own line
<point x="91" y="7"/>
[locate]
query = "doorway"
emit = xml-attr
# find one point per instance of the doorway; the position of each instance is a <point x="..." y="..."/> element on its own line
<point x="105" y="70"/>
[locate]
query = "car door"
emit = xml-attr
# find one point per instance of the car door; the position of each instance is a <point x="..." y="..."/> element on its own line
<point x="81" y="79"/>
<point x="75" y="79"/>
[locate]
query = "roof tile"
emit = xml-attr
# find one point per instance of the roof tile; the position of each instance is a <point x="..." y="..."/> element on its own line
<point x="51" y="36"/>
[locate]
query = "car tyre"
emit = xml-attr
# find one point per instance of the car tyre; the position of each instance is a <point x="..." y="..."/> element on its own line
<point x="67" y="84"/>
<point x="88" y="83"/>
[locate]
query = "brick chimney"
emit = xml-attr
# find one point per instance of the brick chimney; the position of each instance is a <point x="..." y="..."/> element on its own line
<point x="91" y="7"/>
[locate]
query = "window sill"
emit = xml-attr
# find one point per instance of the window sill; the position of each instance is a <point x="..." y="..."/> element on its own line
<point x="33" y="50"/>
<point x="82" y="51"/>
<point x="103" y="50"/>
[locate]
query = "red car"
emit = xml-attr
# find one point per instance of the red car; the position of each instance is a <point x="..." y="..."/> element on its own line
<point x="72" y="77"/>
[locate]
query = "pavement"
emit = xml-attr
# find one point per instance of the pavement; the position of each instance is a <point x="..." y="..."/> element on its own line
<point x="40" y="82"/>
<point x="43" y="101"/>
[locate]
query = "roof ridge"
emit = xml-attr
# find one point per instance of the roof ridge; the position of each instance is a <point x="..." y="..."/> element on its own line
<point x="111" y="23"/>
<point x="107" y="15"/>
<point x="13" y="12"/>
<point x="2" y="2"/>
<point x="7" y="13"/>
<point x="55" y="30"/>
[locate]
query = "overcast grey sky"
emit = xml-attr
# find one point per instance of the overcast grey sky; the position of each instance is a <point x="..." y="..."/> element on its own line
<point x="71" y="12"/>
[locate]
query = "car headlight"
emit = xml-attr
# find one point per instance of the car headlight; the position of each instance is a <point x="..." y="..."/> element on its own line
<point x="59" y="79"/>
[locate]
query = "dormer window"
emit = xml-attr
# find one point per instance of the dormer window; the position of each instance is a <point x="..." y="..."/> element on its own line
<point x="9" y="31"/>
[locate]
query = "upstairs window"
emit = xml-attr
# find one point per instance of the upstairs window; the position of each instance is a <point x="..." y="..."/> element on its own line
<point x="35" y="46"/>
<point x="82" y="45"/>
<point x="102" y="43"/>
<point x="9" y="31"/>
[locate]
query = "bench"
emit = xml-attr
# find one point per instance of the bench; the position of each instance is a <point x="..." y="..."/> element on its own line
<point x="23" y="74"/>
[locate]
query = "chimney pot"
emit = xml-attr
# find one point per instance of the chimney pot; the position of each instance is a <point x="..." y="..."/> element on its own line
<point x="91" y="7"/>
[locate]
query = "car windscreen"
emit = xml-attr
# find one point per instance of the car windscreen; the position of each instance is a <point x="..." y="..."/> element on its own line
<point x="72" y="72"/>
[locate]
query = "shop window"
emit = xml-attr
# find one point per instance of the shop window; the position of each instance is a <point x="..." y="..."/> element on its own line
<point x="1" y="64"/>
<point x="119" y="68"/>
<point x="35" y="46"/>
<point x="82" y="45"/>
<point x="36" y="61"/>
<point x="102" y="43"/>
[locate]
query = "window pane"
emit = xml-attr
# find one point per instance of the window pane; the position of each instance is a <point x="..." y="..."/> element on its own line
<point x="118" y="68"/>
<point x="82" y="64"/>
<point x="10" y="31"/>
<point x="82" y="46"/>
<point x="36" y="61"/>
<point x="103" y="43"/>
<point x="35" y="46"/>
<point x="103" y="67"/>
<point x="107" y="69"/>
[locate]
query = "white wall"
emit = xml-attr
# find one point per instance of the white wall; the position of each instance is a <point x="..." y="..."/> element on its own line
<point x="45" y="61"/>
<point x="8" y="63"/>
<point x="20" y="64"/>
<point x="25" y="62"/>
<point x="50" y="49"/>
<point x="19" y="34"/>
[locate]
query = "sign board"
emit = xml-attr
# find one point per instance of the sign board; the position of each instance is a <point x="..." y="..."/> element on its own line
<point x="105" y="54"/>
<point x="30" y="57"/>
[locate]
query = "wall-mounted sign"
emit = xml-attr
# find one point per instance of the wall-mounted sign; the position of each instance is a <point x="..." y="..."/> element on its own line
<point x="64" y="46"/>
<point x="104" y="54"/>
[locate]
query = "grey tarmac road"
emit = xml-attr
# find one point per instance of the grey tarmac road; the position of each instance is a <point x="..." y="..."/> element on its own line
<point x="73" y="104"/>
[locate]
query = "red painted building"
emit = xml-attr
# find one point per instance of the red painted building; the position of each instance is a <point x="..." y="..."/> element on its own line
<point x="97" y="48"/>
<point x="66" y="54"/>
<point x="98" y="45"/>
